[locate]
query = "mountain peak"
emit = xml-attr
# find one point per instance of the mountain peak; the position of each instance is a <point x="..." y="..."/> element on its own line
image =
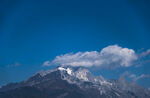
<point x="78" y="73"/>
<point x="68" y="70"/>
<point x="68" y="80"/>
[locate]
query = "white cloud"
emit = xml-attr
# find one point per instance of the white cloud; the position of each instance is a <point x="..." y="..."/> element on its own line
<point x="145" y="53"/>
<point x="118" y="55"/>
<point x="47" y="63"/>
<point x="135" y="78"/>
<point x="113" y="55"/>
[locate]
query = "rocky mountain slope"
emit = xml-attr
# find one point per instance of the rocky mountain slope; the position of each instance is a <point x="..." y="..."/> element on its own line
<point x="67" y="82"/>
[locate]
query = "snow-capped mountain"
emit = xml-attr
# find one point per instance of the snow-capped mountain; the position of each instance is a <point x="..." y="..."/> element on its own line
<point x="69" y="82"/>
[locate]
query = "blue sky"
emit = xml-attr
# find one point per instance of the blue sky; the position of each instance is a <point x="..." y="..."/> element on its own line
<point x="32" y="32"/>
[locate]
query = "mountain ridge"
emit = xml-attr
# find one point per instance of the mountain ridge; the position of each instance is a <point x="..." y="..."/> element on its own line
<point x="68" y="82"/>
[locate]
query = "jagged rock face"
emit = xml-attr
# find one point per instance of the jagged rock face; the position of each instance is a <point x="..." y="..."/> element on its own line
<point x="66" y="82"/>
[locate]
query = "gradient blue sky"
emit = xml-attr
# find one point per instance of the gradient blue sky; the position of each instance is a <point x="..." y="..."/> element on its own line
<point x="32" y="32"/>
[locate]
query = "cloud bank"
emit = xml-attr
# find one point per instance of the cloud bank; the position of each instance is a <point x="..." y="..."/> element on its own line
<point x="112" y="55"/>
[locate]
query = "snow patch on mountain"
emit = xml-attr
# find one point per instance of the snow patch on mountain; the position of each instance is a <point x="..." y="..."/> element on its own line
<point x="68" y="70"/>
<point x="82" y="74"/>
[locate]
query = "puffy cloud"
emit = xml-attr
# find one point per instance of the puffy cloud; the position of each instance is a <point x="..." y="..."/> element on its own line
<point x="118" y="55"/>
<point x="78" y="59"/>
<point x="113" y="55"/>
